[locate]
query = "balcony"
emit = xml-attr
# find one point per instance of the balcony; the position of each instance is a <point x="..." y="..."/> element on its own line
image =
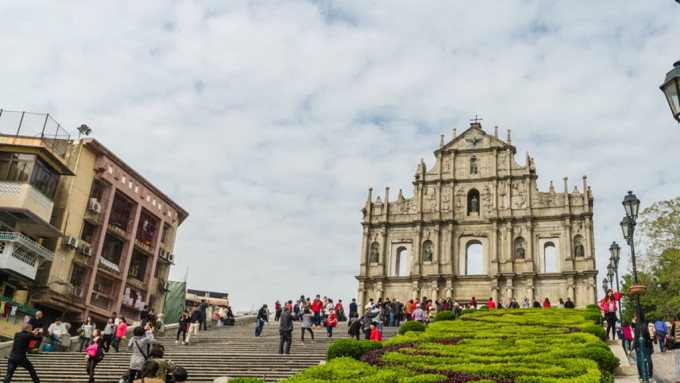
<point x="21" y="254"/>
<point x="100" y="301"/>
<point x="112" y="267"/>
<point x="24" y="197"/>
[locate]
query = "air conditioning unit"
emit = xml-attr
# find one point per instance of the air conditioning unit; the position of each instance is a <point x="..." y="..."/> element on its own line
<point x="71" y="242"/>
<point x="171" y="257"/>
<point x="94" y="206"/>
<point x="165" y="286"/>
<point x="163" y="254"/>
<point x="86" y="250"/>
<point x="78" y="292"/>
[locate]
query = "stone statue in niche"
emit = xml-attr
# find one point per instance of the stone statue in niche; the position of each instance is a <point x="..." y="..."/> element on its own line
<point x="428" y="253"/>
<point x="520" y="251"/>
<point x="474" y="205"/>
<point x="473" y="168"/>
<point x="578" y="249"/>
<point x="374" y="255"/>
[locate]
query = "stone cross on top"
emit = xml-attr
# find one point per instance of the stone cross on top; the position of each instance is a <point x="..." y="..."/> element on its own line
<point x="476" y="120"/>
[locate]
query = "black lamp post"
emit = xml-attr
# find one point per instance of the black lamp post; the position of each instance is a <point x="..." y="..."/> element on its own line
<point x="632" y="205"/>
<point x="615" y="250"/>
<point x="671" y="88"/>
<point x="605" y="286"/>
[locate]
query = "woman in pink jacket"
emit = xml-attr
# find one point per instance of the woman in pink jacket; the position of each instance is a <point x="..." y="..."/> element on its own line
<point x="608" y="305"/>
<point x="121" y="329"/>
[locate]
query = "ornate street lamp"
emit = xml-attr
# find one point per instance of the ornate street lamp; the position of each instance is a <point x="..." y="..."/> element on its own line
<point x="632" y="206"/>
<point x="671" y="88"/>
<point x="615" y="250"/>
<point x="605" y="286"/>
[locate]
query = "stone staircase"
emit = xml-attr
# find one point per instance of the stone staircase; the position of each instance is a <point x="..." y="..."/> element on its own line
<point x="222" y="351"/>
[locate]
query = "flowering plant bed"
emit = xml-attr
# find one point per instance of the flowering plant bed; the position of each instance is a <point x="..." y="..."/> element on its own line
<point x="502" y="346"/>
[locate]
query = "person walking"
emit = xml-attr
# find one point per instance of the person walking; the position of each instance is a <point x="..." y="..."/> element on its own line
<point x="37" y="323"/>
<point x="203" y="308"/>
<point x="86" y="333"/>
<point x="418" y="314"/>
<point x="262" y="317"/>
<point x="121" y="330"/>
<point x="331" y="323"/>
<point x="648" y="346"/>
<point x="353" y="308"/>
<point x="608" y="305"/>
<point x="278" y="309"/>
<point x="367" y="319"/>
<point x="108" y="333"/>
<point x="627" y="336"/>
<point x="17" y="357"/>
<point x="675" y="334"/>
<point x="194" y="324"/>
<point x="306" y="325"/>
<point x="141" y="337"/>
<point x="182" y="327"/>
<point x="285" y="330"/>
<point x="95" y="353"/>
<point x="317" y="306"/>
<point x="661" y="331"/>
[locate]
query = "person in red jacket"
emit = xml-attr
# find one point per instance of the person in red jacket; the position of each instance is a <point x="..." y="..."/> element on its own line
<point x="546" y="303"/>
<point x="317" y="306"/>
<point x="375" y="333"/>
<point x="473" y="302"/>
<point x="608" y="305"/>
<point x="332" y="322"/>
<point x="491" y="304"/>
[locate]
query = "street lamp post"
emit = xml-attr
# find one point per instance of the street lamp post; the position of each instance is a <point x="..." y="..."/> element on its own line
<point x="605" y="286"/>
<point x="615" y="250"/>
<point x="671" y="88"/>
<point x="632" y="205"/>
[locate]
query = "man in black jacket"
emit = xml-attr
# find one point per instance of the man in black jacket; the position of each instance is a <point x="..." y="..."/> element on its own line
<point x="37" y="323"/>
<point x="17" y="356"/>
<point x="286" y="330"/>
<point x="262" y="317"/>
<point x="569" y="304"/>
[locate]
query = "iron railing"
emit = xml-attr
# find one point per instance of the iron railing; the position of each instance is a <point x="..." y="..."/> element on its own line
<point x="27" y="124"/>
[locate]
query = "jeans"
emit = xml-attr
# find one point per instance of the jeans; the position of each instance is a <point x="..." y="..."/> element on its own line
<point x="650" y="366"/>
<point x="12" y="365"/>
<point x="329" y="330"/>
<point x="317" y="318"/>
<point x="367" y="333"/>
<point x="258" y="327"/>
<point x="204" y="323"/>
<point x="107" y="341"/>
<point x="116" y="343"/>
<point x="182" y="330"/>
<point x="84" y="342"/>
<point x="286" y="337"/>
<point x="626" y="345"/>
<point x="397" y="319"/>
<point x="55" y="342"/>
<point x="661" y="337"/>
<point x="391" y="323"/>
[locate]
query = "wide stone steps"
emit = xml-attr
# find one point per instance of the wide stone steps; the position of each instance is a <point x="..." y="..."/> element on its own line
<point x="222" y="351"/>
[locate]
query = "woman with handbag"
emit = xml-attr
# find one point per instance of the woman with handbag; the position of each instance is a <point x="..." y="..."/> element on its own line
<point x="608" y="305"/>
<point x="148" y="371"/>
<point x="95" y="353"/>
<point x="85" y="332"/>
<point x="142" y="336"/>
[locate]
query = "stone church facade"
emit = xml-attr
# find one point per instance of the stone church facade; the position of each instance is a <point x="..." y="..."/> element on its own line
<point x="477" y="225"/>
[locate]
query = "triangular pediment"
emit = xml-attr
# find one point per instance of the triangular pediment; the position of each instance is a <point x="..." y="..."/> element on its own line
<point x="475" y="138"/>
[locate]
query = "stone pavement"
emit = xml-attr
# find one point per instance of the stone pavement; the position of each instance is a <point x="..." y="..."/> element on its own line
<point x="664" y="365"/>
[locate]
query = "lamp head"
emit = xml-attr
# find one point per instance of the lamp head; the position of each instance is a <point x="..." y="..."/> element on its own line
<point x="626" y="228"/>
<point x="631" y="204"/>
<point x="615" y="251"/>
<point x="671" y="89"/>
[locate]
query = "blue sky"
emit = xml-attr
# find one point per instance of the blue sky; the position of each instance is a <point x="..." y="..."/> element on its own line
<point x="268" y="121"/>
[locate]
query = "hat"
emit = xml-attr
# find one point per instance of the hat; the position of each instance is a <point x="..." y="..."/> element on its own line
<point x="431" y="308"/>
<point x="368" y="307"/>
<point x="417" y="304"/>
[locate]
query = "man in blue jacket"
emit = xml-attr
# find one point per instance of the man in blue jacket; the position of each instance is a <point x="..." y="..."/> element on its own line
<point x="17" y="356"/>
<point x="262" y="316"/>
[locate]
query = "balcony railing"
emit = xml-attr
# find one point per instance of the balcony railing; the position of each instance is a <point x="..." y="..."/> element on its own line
<point x="21" y="255"/>
<point x="35" y="125"/>
<point x="26" y="242"/>
<point x="109" y="265"/>
<point x="100" y="301"/>
<point x="22" y="195"/>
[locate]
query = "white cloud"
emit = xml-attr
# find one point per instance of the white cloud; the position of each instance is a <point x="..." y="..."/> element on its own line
<point x="269" y="121"/>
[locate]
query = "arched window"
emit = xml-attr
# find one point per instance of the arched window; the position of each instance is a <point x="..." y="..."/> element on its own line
<point x="401" y="263"/>
<point x="550" y="258"/>
<point x="473" y="258"/>
<point x="473" y="202"/>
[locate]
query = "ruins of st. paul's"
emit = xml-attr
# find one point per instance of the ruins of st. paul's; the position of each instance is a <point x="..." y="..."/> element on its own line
<point x="477" y="225"/>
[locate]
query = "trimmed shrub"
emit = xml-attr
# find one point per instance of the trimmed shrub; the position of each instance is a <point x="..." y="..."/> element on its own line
<point x="605" y="360"/>
<point x="596" y="330"/>
<point x="593" y="306"/>
<point x="246" y="380"/>
<point x="411" y="326"/>
<point x="445" y="315"/>
<point x="485" y="308"/>
<point x="351" y="348"/>
<point x="601" y="345"/>
<point x="595" y="317"/>
<point x="467" y="311"/>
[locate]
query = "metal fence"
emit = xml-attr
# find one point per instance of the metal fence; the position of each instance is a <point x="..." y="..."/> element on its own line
<point x="35" y="125"/>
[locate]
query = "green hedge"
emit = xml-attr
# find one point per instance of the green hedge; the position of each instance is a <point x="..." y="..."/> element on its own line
<point x="468" y="311"/>
<point x="246" y="380"/>
<point x="595" y="317"/>
<point x="411" y="326"/>
<point x="596" y="330"/>
<point x="606" y="361"/>
<point x="445" y="315"/>
<point x="593" y="306"/>
<point x="351" y="348"/>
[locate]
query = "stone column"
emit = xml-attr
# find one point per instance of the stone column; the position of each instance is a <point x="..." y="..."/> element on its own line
<point x="529" y="261"/>
<point x="383" y="249"/>
<point x="436" y="258"/>
<point x="415" y="267"/>
<point x="567" y="261"/>
<point x="364" y="252"/>
<point x="570" y="288"/>
<point x="415" y="289"/>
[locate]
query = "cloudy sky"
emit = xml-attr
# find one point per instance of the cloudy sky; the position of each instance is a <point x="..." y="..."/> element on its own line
<point x="268" y="121"/>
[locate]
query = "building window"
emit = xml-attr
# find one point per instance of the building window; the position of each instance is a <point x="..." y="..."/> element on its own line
<point x="121" y="211"/>
<point x="28" y="168"/>
<point x="88" y="232"/>
<point x="97" y="190"/>
<point x="147" y="228"/>
<point x="112" y="249"/>
<point x="45" y="179"/>
<point x="138" y="265"/>
<point x="167" y="233"/>
<point x="550" y="258"/>
<point x="400" y="267"/>
<point x="77" y="275"/>
<point x="473" y="255"/>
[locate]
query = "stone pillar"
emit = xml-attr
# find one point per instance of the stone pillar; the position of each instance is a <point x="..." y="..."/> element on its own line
<point x="415" y="267"/>
<point x="567" y="261"/>
<point x="436" y="258"/>
<point x="529" y="261"/>
<point x="415" y="289"/>
<point x="494" y="290"/>
<point x="449" y="288"/>
<point x="364" y="252"/>
<point x="570" y="288"/>
<point x="383" y="250"/>
<point x="434" y="290"/>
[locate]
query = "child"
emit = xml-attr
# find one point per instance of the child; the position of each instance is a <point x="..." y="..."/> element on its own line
<point x="627" y="336"/>
<point x="375" y="333"/>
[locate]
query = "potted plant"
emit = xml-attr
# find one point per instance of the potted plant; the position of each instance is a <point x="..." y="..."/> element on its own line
<point x="637" y="290"/>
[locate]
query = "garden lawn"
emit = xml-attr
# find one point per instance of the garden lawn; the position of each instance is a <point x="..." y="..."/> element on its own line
<point x="502" y="346"/>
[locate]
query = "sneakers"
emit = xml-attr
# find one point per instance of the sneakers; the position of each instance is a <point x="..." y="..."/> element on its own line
<point x="176" y="342"/>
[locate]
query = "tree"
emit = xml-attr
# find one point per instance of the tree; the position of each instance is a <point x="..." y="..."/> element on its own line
<point x="659" y="270"/>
